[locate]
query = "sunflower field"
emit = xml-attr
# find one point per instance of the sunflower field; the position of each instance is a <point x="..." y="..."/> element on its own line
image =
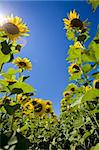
<point x="30" y="123"/>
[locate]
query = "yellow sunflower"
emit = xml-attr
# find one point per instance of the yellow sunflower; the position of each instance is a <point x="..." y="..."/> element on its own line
<point x="66" y="94"/>
<point x="40" y="107"/>
<point x="87" y="88"/>
<point x="74" y="68"/>
<point x="96" y="84"/>
<point x="73" y="21"/>
<point x="22" y="99"/>
<point x="48" y="109"/>
<point x="14" y="27"/>
<point x="78" y="45"/>
<point x="23" y="63"/>
<point x="48" y="102"/>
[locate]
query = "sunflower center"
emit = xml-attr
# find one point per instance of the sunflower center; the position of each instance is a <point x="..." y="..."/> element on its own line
<point x="34" y="102"/>
<point x="22" y="64"/>
<point x="67" y="94"/>
<point x="97" y="85"/>
<point x="77" y="68"/>
<point x="11" y="28"/>
<point x="76" y="23"/>
<point x="38" y="108"/>
<point x="72" y="89"/>
<point x="47" y="110"/>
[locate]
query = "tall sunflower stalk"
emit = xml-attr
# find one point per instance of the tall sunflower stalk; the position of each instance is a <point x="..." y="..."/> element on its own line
<point x="20" y="113"/>
<point x="79" y="105"/>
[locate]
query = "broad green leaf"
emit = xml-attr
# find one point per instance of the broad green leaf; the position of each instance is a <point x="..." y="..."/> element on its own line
<point x="11" y="109"/>
<point x="70" y="35"/>
<point x="90" y="95"/>
<point x="94" y="49"/>
<point x="96" y="75"/>
<point x="10" y="72"/>
<point x="24" y="86"/>
<point x="74" y="54"/>
<point x="4" y="58"/>
<point x="94" y="3"/>
<point x="95" y="147"/>
<point x="86" y="68"/>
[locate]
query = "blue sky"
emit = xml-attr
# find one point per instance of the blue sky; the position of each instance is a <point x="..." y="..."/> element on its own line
<point x="47" y="45"/>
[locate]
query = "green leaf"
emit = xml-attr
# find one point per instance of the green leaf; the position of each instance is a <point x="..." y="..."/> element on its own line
<point x="86" y="68"/>
<point x="5" y="48"/>
<point x="90" y="95"/>
<point x="24" y="86"/>
<point x="11" y="109"/>
<point x="4" y="58"/>
<point x="94" y="3"/>
<point x="74" y="54"/>
<point x="94" y="49"/>
<point x="95" y="147"/>
<point x="96" y="75"/>
<point x="70" y="35"/>
<point x="16" y="91"/>
<point x="85" y="136"/>
<point x="86" y="57"/>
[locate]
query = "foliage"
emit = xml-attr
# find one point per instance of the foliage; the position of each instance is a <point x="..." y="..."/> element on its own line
<point x="29" y="123"/>
<point x="94" y="3"/>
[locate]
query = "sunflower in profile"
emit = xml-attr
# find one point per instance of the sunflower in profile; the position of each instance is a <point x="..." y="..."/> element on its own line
<point x="14" y="27"/>
<point x="48" y="109"/>
<point x="23" y="63"/>
<point x="73" y="69"/>
<point x="73" y="21"/>
<point x="96" y="84"/>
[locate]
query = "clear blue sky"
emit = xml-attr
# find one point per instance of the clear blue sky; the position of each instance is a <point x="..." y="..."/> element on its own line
<point x="47" y="45"/>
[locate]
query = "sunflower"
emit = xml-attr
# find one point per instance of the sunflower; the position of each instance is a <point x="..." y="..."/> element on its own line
<point x="71" y="87"/>
<point x="74" y="68"/>
<point x="48" y="109"/>
<point x="40" y="107"/>
<point x="66" y="94"/>
<point x="14" y="27"/>
<point x="87" y="88"/>
<point x="96" y="84"/>
<point x="23" y="63"/>
<point x="73" y="21"/>
<point x="22" y="99"/>
<point x="48" y="102"/>
<point x="78" y="45"/>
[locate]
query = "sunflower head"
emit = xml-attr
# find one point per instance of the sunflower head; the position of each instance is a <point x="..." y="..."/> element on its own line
<point x="28" y="106"/>
<point x="71" y="87"/>
<point x="87" y="88"/>
<point x="48" y="102"/>
<point x="48" y="109"/>
<point x="23" y="63"/>
<point x="40" y="107"/>
<point x="74" y="68"/>
<point x="78" y="45"/>
<point x="22" y="99"/>
<point x="96" y="84"/>
<point x="73" y="21"/>
<point x="14" y="27"/>
<point x="66" y="94"/>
